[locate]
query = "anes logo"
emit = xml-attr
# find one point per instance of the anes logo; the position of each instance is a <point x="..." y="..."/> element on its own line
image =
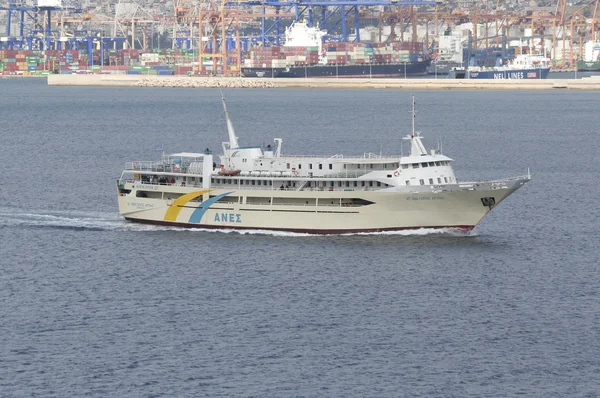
<point x="228" y="217"/>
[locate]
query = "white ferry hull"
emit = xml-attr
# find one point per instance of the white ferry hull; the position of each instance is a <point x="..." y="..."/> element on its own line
<point x="257" y="188"/>
<point x="319" y="212"/>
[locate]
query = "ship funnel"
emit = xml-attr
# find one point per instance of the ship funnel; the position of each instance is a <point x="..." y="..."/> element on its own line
<point x="233" y="143"/>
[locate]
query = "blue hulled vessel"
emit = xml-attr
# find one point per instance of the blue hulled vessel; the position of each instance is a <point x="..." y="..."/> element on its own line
<point x="406" y="69"/>
<point x="523" y="66"/>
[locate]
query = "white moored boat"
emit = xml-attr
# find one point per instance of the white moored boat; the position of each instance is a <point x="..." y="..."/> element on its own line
<point x="260" y="188"/>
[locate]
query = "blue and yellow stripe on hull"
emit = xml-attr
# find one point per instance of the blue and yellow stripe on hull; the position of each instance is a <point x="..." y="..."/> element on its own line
<point x="175" y="208"/>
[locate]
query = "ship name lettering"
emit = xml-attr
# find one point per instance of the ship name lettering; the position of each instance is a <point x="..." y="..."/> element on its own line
<point x="510" y="75"/>
<point x="148" y="187"/>
<point x="140" y="205"/>
<point x="425" y="198"/>
<point x="228" y="217"/>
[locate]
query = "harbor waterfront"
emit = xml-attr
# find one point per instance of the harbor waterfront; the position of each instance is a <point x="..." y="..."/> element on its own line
<point x="587" y="83"/>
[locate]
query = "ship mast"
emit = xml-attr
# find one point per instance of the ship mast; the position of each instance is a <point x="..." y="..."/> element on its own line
<point x="413" y="115"/>
<point x="416" y="145"/>
<point x="233" y="144"/>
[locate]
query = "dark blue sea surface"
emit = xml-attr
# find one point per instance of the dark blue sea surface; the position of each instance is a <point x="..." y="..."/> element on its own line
<point x="91" y="305"/>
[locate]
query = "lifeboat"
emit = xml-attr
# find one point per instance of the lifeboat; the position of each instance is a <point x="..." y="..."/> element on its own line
<point x="229" y="172"/>
<point x="226" y="172"/>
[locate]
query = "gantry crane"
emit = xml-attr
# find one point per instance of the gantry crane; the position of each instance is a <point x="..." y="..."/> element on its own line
<point x="577" y="22"/>
<point x="35" y="23"/>
<point x="221" y="19"/>
<point x="129" y="16"/>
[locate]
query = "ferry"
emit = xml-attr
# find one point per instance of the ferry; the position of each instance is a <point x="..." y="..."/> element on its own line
<point x="260" y="188"/>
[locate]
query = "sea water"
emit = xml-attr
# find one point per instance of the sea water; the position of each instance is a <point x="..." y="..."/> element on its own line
<point x="91" y="305"/>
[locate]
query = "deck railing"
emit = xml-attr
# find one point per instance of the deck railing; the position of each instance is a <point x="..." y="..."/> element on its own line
<point x="250" y="187"/>
<point x="502" y="180"/>
<point x="183" y="170"/>
<point x="157" y="167"/>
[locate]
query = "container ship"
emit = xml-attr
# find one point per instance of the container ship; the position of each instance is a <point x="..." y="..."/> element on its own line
<point x="305" y="55"/>
<point x="449" y="53"/>
<point x="407" y="69"/>
<point x="443" y="63"/>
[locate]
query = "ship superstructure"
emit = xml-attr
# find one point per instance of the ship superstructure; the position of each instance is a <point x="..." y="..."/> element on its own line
<point x="253" y="187"/>
<point x="449" y="54"/>
<point x="591" y="57"/>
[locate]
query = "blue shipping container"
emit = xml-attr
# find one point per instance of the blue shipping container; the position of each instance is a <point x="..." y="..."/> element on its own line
<point x="160" y="67"/>
<point x="166" y="72"/>
<point x="134" y="72"/>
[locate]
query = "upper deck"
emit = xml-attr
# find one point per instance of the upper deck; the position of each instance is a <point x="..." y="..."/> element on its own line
<point x="254" y="163"/>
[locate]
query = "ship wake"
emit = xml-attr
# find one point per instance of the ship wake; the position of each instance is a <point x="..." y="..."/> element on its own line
<point x="418" y="232"/>
<point x="106" y="221"/>
<point x="66" y="219"/>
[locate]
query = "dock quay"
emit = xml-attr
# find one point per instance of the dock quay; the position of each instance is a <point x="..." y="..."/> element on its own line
<point x="107" y="80"/>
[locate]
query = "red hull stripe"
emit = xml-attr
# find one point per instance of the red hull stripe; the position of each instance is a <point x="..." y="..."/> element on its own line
<point x="466" y="228"/>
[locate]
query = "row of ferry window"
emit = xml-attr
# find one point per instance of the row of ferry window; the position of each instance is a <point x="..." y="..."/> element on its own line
<point x="431" y="182"/>
<point x="370" y="166"/>
<point x="310" y="184"/>
<point x="426" y="164"/>
<point x="393" y="165"/>
<point x="316" y="184"/>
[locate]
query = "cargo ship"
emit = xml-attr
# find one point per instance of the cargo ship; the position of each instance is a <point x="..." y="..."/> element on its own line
<point x="257" y="187"/>
<point x="442" y="64"/>
<point x="591" y="57"/>
<point x="440" y="67"/>
<point x="523" y="66"/>
<point x="449" y="53"/>
<point x="305" y="55"/>
<point x="417" y="68"/>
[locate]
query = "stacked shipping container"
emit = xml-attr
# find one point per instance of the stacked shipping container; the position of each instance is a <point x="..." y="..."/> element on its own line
<point x="376" y="53"/>
<point x="169" y="62"/>
<point x="336" y="53"/>
<point x="64" y="61"/>
<point x="265" y="57"/>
